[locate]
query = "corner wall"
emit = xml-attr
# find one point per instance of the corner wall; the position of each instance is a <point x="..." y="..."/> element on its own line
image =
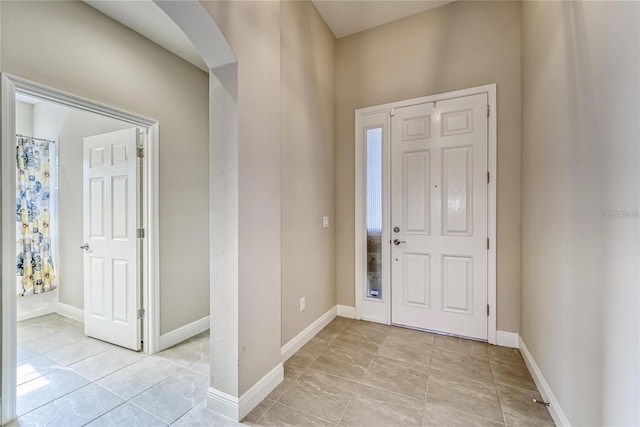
<point x="307" y="91"/>
<point x="252" y="29"/>
<point x="457" y="46"/>
<point x="286" y="176"/>
<point x="580" y="198"/>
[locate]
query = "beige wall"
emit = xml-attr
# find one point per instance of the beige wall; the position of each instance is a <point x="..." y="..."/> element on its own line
<point x="308" y="165"/>
<point x="72" y="47"/>
<point x="252" y="29"/>
<point x="286" y="156"/>
<point x="461" y="45"/>
<point x="69" y="126"/>
<point x="580" y="298"/>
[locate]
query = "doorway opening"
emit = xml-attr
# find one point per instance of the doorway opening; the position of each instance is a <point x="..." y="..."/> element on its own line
<point x="426" y="213"/>
<point x="82" y="239"/>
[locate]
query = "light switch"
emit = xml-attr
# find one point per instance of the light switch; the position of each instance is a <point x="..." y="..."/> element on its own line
<point x="325" y="222"/>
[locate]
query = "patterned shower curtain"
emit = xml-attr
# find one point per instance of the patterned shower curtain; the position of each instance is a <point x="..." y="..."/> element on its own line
<point x="33" y="214"/>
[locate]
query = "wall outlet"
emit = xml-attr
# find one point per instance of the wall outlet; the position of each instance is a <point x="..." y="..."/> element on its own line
<point x="325" y="222"/>
<point x="303" y="304"/>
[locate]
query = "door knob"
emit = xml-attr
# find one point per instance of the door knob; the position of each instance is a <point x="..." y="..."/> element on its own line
<point x="397" y="242"/>
<point x="85" y="247"/>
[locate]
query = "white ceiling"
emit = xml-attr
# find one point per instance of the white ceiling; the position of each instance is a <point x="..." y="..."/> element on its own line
<point x="346" y="17"/>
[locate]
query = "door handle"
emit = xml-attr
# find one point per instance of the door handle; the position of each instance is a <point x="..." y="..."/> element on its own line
<point x="85" y="247"/>
<point x="397" y="242"/>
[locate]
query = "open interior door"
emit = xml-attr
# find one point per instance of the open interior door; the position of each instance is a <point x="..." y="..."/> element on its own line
<point x="112" y="294"/>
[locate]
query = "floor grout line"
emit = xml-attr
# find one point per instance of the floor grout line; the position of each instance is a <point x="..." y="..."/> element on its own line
<point x="53" y="400"/>
<point x="350" y="394"/>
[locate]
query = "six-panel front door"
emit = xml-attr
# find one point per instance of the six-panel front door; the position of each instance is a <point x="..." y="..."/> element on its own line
<point x="111" y="285"/>
<point x="439" y="209"/>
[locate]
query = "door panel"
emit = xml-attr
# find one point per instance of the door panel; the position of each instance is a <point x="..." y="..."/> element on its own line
<point x="112" y="285"/>
<point x="457" y="284"/>
<point x="439" y="203"/>
<point x="457" y="193"/>
<point x="417" y="279"/>
<point x="417" y="194"/>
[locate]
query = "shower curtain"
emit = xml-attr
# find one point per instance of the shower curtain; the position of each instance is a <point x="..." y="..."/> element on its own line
<point x="33" y="214"/>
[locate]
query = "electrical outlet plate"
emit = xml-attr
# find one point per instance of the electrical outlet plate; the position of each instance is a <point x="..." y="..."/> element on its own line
<point x="325" y="222"/>
<point x="302" y="304"/>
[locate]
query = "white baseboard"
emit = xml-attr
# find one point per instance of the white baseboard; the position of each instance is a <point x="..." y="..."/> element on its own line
<point x="238" y="408"/>
<point x="31" y="306"/>
<point x="555" y="409"/>
<point x="508" y="339"/>
<point x="346" y="311"/>
<point x="35" y="313"/>
<point x="290" y="348"/>
<point x="71" y="312"/>
<point x="182" y="333"/>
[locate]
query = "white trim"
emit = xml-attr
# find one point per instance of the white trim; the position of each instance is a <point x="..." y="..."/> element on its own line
<point x="547" y="394"/>
<point x="367" y="308"/>
<point x="43" y="311"/>
<point x="59" y="97"/>
<point x="492" y="217"/>
<point x="11" y="84"/>
<point x="508" y="339"/>
<point x="151" y="272"/>
<point x="296" y="343"/>
<point x="37" y="305"/>
<point x="237" y="408"/>
<point x="346" y="311"/>
<point x="182" y="333"/>
<point x="71" y="312"/>
<point x="372" y="312"/>
<point x="9" y="327"/>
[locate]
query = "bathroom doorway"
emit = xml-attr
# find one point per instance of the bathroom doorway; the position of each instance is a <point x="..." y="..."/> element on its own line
<point x="82" y="237"/>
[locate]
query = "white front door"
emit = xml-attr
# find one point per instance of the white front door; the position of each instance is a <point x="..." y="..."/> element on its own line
<point x="111" y="270"/>
<point x="439" y="216"/>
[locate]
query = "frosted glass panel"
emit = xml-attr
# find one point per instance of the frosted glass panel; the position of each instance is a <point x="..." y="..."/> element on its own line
<point x="374" y="212"/>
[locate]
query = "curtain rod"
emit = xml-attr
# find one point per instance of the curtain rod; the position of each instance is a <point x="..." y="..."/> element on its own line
<point x="35" y="139"/>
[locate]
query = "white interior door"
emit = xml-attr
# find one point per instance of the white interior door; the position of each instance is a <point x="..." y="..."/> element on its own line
<point x="439" y="216"/>
<point x="112" y="293"/>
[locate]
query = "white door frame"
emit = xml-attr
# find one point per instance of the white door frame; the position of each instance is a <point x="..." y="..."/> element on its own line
<point x="150" y="205"/>
<point x="379" y="116"/>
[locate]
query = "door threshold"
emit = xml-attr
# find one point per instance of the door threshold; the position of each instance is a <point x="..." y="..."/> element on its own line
<point x="432" y="331"/>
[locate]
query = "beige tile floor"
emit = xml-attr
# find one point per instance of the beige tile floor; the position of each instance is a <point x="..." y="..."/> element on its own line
<point x="361" y="373"/>
<point x="67" y="379"/>
<point x="351" y="373"/>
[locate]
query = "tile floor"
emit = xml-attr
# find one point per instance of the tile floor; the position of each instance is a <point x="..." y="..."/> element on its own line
<point x="351" y="373"/>
<point x="67" y="379"/>
<point x="360" y="373"/>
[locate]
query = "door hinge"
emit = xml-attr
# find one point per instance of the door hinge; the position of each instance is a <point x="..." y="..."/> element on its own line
<point x="488" y="177"/>
<point x="140" y="233"/>
<point x="487" y="309"/>
<point x="141" y="313"/>
<point x="392" y="112"/>
<point x="140" y="152"/>
<point x="488" y="110"/>
<point x="488" y="244"/>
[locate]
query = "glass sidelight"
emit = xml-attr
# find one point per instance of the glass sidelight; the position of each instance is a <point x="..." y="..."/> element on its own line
<point x="373" y="142"/>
